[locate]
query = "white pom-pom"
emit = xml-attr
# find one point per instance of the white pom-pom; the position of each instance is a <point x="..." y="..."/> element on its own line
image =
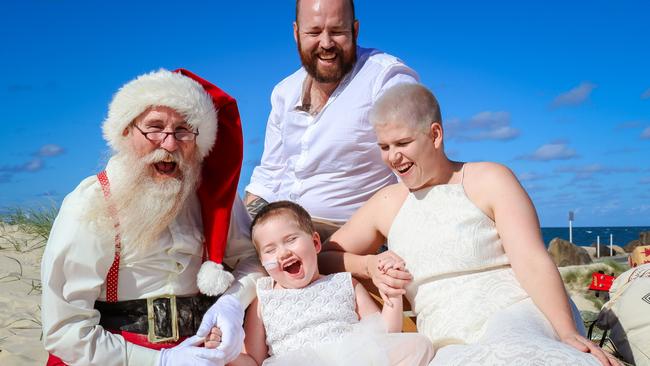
<point x="212" y="279"/>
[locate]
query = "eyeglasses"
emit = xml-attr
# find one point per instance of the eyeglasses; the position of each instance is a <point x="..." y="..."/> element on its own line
<point x="159" y="136"/>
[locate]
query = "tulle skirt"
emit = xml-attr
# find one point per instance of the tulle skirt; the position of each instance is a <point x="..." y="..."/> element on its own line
<point x="517" y="335"/>
<point x="367" y="345"/>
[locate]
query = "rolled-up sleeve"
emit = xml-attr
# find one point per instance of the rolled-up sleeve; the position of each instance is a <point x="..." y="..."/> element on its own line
<point x="265" y="179"/>
<point x="241" y="255"/>
<point x="74" y="266"/>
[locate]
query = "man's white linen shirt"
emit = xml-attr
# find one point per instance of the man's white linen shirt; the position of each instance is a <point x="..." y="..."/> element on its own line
<point x="329" y="162"/>
<point x="77" y="259"/>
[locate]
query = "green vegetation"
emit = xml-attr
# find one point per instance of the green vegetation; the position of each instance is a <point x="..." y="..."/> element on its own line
<point x="32" y="221"/>
<point x="24" y="231"/>
<point x="577" y="279"/>
<point x="35" y="223"/>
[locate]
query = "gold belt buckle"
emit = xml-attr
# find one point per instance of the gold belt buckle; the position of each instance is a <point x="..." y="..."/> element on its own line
<point x="151" y="334"/>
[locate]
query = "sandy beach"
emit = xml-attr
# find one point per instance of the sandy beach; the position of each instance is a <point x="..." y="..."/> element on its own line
<point x="20" y="324"/>
<point x="20" y="298"/>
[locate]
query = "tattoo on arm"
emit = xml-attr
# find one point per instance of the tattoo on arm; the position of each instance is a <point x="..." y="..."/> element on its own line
<point x="255" y="206"/>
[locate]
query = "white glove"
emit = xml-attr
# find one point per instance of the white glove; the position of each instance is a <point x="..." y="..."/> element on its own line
<point x="227" y="314"/>
<point x="187" y="354"/>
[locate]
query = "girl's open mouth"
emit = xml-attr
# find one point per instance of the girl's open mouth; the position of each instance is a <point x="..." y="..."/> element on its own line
<point x="292" y="267"/>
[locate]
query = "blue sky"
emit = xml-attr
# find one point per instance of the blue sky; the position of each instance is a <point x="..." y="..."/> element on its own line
<point x="558" y="91"/>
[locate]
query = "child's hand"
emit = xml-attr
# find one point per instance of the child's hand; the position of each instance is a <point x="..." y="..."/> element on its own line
<point x="386" y="263"/>
<point x="213" y="340"/>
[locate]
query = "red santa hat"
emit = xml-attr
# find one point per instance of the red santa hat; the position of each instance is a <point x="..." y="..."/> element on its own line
<point x="162" y="88"/>
<point x="214" y="114"/>
<point x="220" y="176"/>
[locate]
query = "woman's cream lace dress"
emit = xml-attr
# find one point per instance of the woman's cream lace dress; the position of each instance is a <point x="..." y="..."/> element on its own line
<point x="464" y="292"/>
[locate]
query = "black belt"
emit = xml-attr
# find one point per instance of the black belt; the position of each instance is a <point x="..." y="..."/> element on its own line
<point x="170" y="316"/>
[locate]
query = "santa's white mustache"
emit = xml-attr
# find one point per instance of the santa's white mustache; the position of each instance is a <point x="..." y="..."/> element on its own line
<point x="162" y="155"/>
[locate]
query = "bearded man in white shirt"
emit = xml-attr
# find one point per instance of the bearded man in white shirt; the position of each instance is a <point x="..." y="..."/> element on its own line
<point x="120" y="269"/>
<point x="320" y="150"/>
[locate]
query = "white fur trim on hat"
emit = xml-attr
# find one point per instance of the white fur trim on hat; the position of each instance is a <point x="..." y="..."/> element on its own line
<point x="162" y="88"/>
<point x="213" y="279"/>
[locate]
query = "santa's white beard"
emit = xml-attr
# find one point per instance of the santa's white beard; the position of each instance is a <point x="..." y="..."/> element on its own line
<point x="146" y="206"/>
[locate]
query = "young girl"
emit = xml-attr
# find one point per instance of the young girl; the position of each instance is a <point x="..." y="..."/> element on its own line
<point x="301" y="317"/>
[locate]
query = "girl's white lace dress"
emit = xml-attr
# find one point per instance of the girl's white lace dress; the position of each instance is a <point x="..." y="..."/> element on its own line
<point x="318" y="325"/>
<point x="464" y="293"/>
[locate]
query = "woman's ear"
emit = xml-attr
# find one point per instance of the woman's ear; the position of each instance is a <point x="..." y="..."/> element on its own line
<point x="125" y="132"/>
<point x="436" y="134"/>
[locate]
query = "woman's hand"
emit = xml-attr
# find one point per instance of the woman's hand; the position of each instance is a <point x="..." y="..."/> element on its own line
<point x="391" y="262"/>
<point x="388" y="272"/>
<point x="584" y="345"/>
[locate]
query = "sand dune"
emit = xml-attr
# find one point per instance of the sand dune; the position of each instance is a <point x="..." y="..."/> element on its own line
<point x="20" y="298"/>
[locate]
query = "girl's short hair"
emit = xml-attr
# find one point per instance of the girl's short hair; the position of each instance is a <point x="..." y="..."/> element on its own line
<point x="288" y="208"/>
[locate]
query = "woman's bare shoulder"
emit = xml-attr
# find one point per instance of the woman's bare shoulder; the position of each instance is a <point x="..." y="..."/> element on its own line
<point x="392" y="194"/>
<point x="485" y="173"/>
<point x="486" y="183"/>
<point x="486" y="167"/>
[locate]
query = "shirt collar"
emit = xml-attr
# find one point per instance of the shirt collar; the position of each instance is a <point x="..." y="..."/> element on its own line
<point x="308" y="80"/>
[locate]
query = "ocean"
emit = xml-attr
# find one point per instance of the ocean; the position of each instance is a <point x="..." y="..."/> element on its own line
<point x="585" y="236"/>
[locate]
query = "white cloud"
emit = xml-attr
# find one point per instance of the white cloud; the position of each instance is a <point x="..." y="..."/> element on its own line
<point x="489" y="119"/>
<point x="532" y="187"/>
<point x="639" y="210"/>
<point x="623" y="150"/>
<point x="501" y="133"/>
<point x="452" y="128"/>
<point x="646" y="94"/>
<point x="588" y="171"/>
<point x="628" y="125"/>
<point x="606" y="207"/>
<point x="591" y="168"/>
<point x="552" y="151"/>
<point x="485" y="125"/>
<point x="529" y="176"/>
<point x="50" y="150"/>
<point x="645" y="134"/>
<point x="33" y="165"/>
<point x="575" y="96"/>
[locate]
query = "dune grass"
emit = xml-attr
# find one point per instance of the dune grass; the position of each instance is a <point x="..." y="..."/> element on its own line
<point x="578" y="278"/>
<point x="35" y="222"/>
<point x="23" y="232"/>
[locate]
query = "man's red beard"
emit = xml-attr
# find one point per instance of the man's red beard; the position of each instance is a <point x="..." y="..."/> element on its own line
<point x="344" y="62"/>
<point x="146" y="205"/>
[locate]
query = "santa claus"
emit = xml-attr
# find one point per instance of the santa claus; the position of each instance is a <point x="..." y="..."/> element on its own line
<point x="137" y="269"/>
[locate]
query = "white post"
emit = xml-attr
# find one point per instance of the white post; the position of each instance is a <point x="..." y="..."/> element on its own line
<point x="598" y="246"/>
<point x="571" y="227"/>
<point x="611" y="245"/>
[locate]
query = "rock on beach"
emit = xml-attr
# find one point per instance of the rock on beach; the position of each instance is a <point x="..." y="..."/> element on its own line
<point x="565" y="253"/>
<point x="644" y="239"/>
